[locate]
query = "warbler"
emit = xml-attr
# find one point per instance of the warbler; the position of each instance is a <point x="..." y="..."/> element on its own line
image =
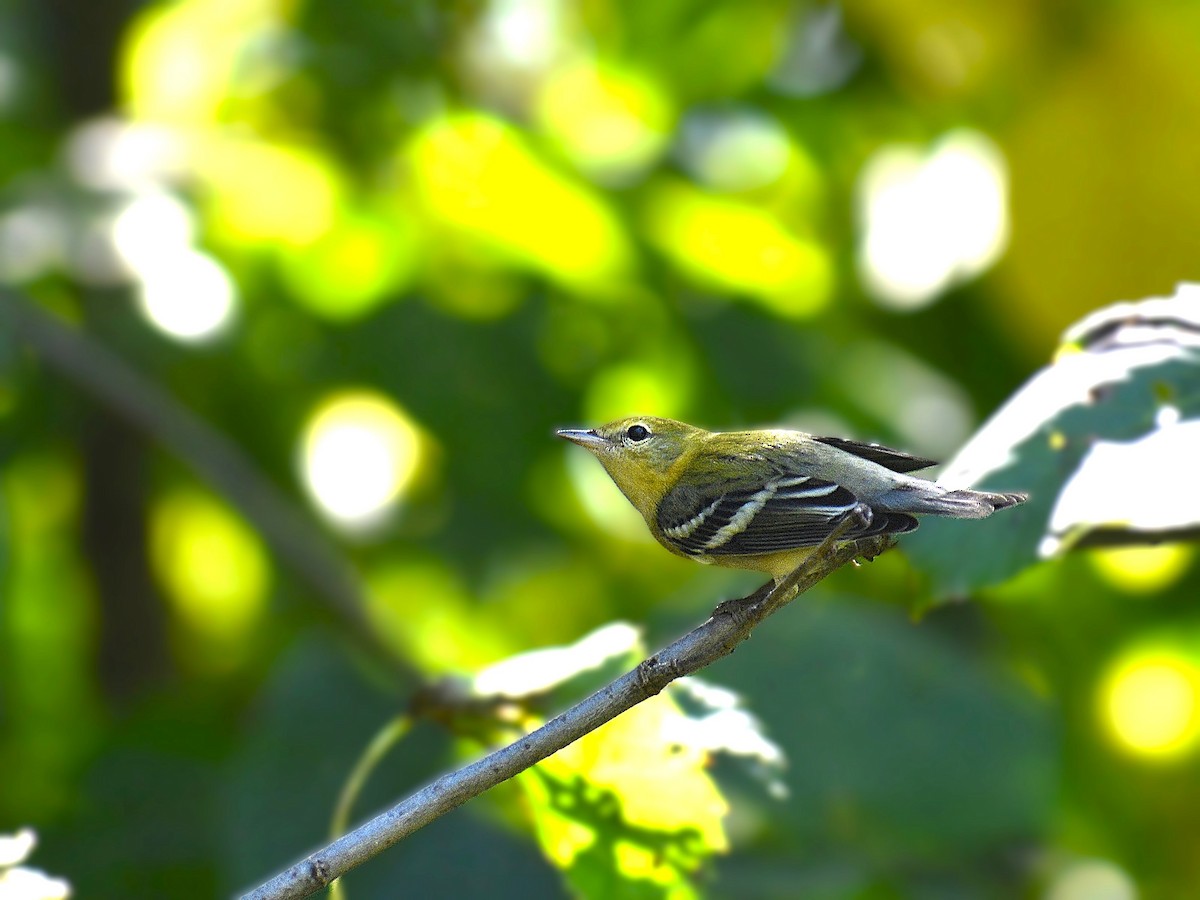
<point x="762" y="500"/>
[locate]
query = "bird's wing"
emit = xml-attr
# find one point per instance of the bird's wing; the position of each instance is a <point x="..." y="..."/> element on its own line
<point x="783" y="512"/>
<point x="896" y="460"/>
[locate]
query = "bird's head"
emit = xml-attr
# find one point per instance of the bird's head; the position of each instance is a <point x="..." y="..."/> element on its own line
<point x="638" y="452"/>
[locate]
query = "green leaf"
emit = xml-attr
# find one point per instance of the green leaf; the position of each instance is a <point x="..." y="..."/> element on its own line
<point x="625" y="812"/>
<point x="904" y="749"/>
<point x="1097" y="439"/>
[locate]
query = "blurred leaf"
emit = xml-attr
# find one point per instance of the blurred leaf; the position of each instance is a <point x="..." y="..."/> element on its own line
<point x="269" y="192"/>
<point x="514" y="215"/>
<point x="738" y="248"/>
<point x="906" y="754"/>
<point x="549" y="668"/>
<point x="184" y="62"/>
<point x="478" y="179"/>
<point x="215" y="572"/>
<point x="1098" y="440"/>
<point x="708" y="51"/>
<point x="132" y="838"/>
<point x="5" y="540"/>
<point x="357" y="264"/>
<point x="301" y="738"/>
<point x="610" y="122"/>
<point x="48" y="707"/>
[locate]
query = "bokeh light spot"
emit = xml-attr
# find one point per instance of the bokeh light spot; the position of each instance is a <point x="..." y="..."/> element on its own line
<point x="183" y="292"/>
<point x="1142" y="570"/>
<point x="735" y="151"/>
<point x="1092" y="879"/>
<point x="150" y="226"/>
<point x="187" y="295"/>
<point x="931" y="221"/>
<point x="14" y="848"/>
<point x="360" y="453"/>
<point x="526" y="34"/>
<point x="738" y="247"/>
<point x="111" y="154"/>
<point x="183" y="60"/>
<point x="214" y="568"/>
<point x="612" y="123"/>
<point x="477" y="176"/>
<point x="269" y="193"/>
<point x="1150" y="702"/>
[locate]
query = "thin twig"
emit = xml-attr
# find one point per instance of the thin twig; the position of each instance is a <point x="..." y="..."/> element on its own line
<point x="731" y="624"/>
<point x="388" y="737"/>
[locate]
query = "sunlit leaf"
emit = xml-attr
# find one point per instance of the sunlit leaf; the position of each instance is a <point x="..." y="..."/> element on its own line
<point x="1099" y="439"/>
<point x="537" y="671"/>
<point x="627" y="812"/>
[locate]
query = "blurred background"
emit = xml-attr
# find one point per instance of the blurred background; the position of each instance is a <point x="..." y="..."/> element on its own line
<point x="294" y="293"/>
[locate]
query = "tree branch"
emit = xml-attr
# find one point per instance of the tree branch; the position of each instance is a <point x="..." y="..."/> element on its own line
<point x="288" y="530"/>
<point x="730" y="624"/>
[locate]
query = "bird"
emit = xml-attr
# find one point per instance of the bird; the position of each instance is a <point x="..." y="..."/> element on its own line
<point x="763" y="499"/>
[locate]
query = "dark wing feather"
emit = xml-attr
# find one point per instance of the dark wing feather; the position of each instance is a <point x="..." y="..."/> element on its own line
<point x="895" y="460"/>
<point x="782" y="514"/>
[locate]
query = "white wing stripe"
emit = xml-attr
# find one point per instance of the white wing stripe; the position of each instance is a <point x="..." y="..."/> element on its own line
<point x="792" y="482"/>
<point x="742" y="518"/>
<point x="681" y="531"/>
<point x="831" y="509"/>
<point x="820" y="490"/>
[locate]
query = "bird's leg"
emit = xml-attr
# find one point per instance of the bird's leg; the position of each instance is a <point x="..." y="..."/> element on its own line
<point x="778" y="592"/>
<point x="824" y="558"/>
<point x="872" y="547"/>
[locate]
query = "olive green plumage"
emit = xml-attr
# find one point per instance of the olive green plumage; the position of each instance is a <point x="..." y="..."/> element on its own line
<point x="763" y="499"/>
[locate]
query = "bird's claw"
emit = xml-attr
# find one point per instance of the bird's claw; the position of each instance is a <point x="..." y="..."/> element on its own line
<point x="863" y="514"/>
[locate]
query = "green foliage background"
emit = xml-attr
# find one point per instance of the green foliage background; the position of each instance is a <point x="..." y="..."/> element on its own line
<point x="404" y="209"/>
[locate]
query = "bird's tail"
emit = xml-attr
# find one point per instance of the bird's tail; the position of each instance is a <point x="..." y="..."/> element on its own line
<point x="963" y="503"/>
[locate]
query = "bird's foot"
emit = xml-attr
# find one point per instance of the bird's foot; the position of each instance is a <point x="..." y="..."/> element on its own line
<point x="737" y="604"/>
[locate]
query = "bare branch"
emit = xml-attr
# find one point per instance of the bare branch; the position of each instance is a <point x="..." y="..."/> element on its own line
<point x="288" y="530"/>
<point x="729" y="625"/>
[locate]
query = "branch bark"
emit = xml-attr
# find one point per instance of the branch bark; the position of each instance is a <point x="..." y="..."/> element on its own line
<point x="730" y="624"/>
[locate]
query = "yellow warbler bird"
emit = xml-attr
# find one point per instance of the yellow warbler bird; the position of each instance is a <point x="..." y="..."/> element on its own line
<point x="762" y="500"/>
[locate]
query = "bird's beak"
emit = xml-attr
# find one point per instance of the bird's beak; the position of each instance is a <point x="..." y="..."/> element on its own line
<point x="588" y="439"/>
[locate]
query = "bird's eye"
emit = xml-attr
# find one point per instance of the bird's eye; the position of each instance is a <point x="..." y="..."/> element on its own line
<point x="637" y="432"/>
